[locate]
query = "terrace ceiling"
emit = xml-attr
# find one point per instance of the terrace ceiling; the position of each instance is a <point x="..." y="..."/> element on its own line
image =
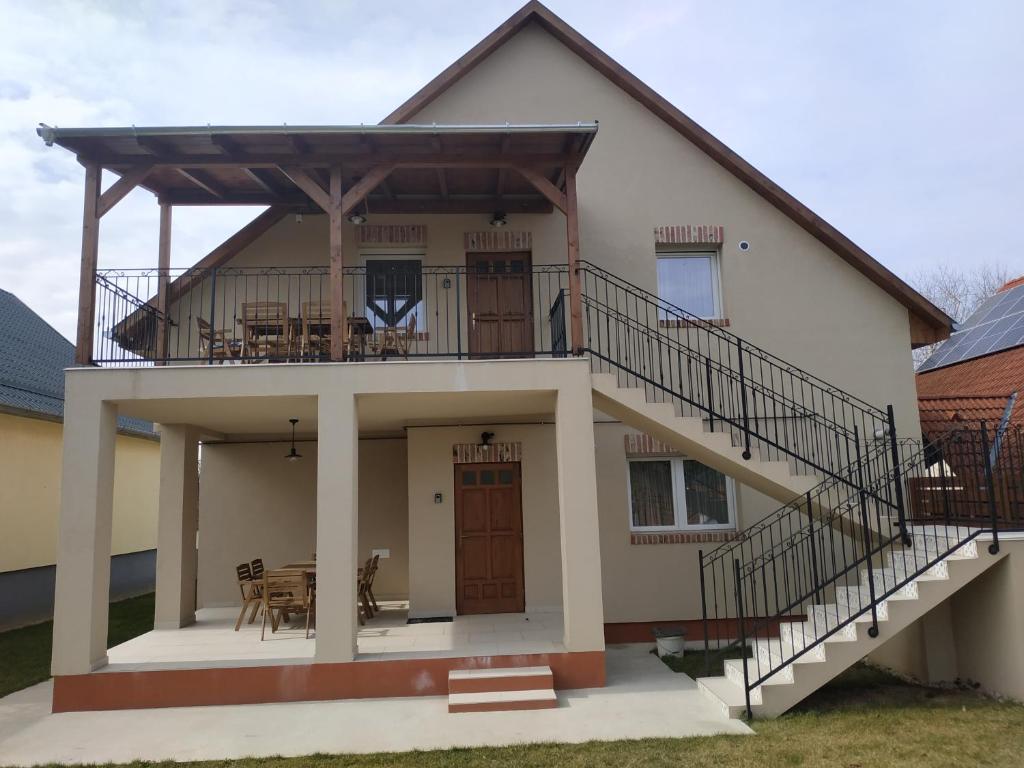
<point x="407" y="168"/>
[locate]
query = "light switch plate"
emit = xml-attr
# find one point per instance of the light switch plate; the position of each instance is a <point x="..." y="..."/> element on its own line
<point x="384" y="554"/>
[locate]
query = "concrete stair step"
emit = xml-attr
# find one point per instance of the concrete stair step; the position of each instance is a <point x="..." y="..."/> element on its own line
<point x="907" y="563"/>
<point x="502" y="701"/>
<point x="725" y="693"/>
<point x="500" y="679"/>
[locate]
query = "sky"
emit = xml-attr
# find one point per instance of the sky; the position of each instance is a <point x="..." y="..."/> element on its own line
<point x="901" y="123"/>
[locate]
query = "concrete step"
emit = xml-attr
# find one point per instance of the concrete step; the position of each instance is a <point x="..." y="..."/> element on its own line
<point x="722" y="691"/>
<point x="907" y="562"/>
<point x="933" y="545"/>
<point x="502" y="701"/>
<point x="496" y="680"/>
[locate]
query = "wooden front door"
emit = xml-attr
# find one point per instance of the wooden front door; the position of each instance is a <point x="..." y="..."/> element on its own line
<point x="488" y="539"/>
<point x="500" y="301"/>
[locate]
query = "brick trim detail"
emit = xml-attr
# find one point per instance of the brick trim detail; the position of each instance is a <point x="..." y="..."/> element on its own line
<point x="498" y="240"/>
<point x="639" y="445"/>
<point x="472" y="453"/>
<point x="673" y="537"/>
<point x="689" y="234"/>
<point x="391" y="234"/>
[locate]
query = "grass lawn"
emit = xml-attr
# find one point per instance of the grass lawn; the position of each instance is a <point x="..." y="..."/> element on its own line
<point x="25" y="653"/>
<point x="864" y="718"/>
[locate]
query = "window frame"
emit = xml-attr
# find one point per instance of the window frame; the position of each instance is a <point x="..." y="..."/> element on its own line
<point x="678" y="476"/>
<point x="716" y="277"/>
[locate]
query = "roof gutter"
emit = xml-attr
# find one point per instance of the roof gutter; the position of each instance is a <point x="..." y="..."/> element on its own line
<point x="51" y="134"/>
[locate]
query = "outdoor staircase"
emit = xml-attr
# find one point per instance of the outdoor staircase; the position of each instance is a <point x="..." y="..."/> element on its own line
<point x="497" y="690"/>
<point x="692" y="436"/>
<point x="807" y="654"/>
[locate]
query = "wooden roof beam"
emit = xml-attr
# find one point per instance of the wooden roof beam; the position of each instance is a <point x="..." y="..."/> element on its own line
<point x="203" y="180"/>
<point x="503" y="172"/>
<point x="442" y="183"/>
<point x="120" y="188"/>
<point x="264" y="179"/>
<point x="305" y="181"/>
<point x="543" y="185"/>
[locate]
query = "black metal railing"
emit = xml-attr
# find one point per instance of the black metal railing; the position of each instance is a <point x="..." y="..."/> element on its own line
<point x="282" y="314"/>
<point x="768" y="405"/>
<point x="834" y="556"/>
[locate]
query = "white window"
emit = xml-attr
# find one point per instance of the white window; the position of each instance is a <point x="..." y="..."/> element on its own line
<point x="689" y="279"/>
<point x="673" y="494"/>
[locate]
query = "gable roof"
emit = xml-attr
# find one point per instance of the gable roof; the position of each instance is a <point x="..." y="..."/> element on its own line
<point x="928" y="323"/>
<point x="33" y="357"/>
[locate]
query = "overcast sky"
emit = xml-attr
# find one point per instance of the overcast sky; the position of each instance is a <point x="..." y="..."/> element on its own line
<point x="899" y="122"/>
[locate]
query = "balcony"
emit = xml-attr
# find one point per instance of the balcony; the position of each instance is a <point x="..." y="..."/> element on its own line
<point x="494" y="307"/>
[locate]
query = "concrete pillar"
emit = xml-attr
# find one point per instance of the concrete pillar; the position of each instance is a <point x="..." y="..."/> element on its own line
<point x="81" y="599"/>
<point x="582" y="602"/>
<point x="337" y="518"/>
<point x="176" y="556"/>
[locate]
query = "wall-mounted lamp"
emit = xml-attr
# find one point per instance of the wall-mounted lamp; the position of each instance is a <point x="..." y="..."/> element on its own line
<point x="298" y="218"/>
<point x="357" y="218"/>
<point x="485" y="438"/>
<point x="293" y="455"/>
<point x="498" y="219"/>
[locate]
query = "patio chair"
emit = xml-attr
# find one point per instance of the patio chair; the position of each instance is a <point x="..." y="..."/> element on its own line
<point x="316" y="329"/>
<point x="251" y="591"/>
<point x="266" y="330"/>
<point x="398" y="340"/>
<point x="286" y="592"/>
<point x="374" y="561"/>
<point x="365" y="610"/>
<point x="213" y="345"/>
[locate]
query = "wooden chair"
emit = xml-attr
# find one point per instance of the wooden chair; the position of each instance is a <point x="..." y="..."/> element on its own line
<point x="257" y="569"/>
<point x="266" y="330"/>
<point x="373" y="565"/>
<point x="286" y="592"/>
<point x="397" y="341"/>
<point x="213" y="345"/>
<point x="316" y="329"/>
<point x="365" y="609"/>
<point x="251" y="591"/>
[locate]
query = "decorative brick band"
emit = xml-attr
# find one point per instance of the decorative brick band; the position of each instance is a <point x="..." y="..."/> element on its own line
<point x="472" y="453"/>
<point x="391" y="234"/>
<point x="498" y="240"/>
<point x="639" y="444"/>
<point x="672" y="537"/>
<point x="689" y="234"/>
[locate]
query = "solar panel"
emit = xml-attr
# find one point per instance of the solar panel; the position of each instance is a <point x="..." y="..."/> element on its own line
<point x="997" y="324"/>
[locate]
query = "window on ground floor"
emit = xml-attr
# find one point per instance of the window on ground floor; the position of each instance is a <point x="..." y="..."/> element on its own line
<point x="689" y="279"/>
<point x="676" y="493"/>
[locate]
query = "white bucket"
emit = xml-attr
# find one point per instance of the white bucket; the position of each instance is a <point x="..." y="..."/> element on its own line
<point x="671" y="645"/>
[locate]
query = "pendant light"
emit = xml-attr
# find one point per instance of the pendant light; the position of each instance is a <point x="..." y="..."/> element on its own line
<point x="293" y="455"/>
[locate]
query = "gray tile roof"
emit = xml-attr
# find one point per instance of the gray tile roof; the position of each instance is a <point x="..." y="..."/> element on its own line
<point x="33" y="357"/>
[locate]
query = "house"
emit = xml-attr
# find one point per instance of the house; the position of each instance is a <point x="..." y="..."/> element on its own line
<point x="33" y="357"/>
<point x="565" y="364"/>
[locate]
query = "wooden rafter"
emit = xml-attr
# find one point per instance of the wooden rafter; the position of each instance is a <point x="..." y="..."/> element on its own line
<point x="499" y="190"/>
<point x="203" y="180"/>
<point x="364" y="187"/>
<point x="442" y="183"/>
<point x="120" y="188"/>
<point x="227" y="145"/>
<point x="543" y="185"/>
<point x="265" y="180"/>
<point x="299" y="144"/>
<point x="311" y="186"/>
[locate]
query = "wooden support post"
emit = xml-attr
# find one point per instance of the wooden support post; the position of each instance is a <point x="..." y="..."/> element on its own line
<point x="572" y="238"/>
<point x="163" y="281"/>
<point x="336" y="218"/>
<point x="87" y="274"/>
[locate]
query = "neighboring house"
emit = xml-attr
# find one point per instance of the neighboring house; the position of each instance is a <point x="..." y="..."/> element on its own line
<point x="33" y="357"/>
<point x="555" y="353"/>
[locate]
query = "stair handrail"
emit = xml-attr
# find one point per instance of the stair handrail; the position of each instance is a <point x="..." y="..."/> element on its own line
<point x="694" y="321"/>
<point x="805" y="553"/>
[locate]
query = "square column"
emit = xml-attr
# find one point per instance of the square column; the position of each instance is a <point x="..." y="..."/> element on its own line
<point x="337" y="531"/>
<point x="582" y="601"/>
<point x="176" y="555"/>
<point x="82" y="595"/>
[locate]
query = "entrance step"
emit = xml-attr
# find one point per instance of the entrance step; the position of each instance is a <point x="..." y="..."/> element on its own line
<point x="504" y="689"/>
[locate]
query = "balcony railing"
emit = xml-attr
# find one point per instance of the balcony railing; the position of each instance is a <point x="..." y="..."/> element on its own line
<point x="399" y="309"/>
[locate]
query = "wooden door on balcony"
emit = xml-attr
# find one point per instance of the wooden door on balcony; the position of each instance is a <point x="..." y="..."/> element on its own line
<point x="488" y="539"/>
<point x="499" y="296"/>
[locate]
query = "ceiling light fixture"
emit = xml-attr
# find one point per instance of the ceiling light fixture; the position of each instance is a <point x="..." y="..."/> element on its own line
<point x="293" y="455"/>
<point x="498" y="219"/>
